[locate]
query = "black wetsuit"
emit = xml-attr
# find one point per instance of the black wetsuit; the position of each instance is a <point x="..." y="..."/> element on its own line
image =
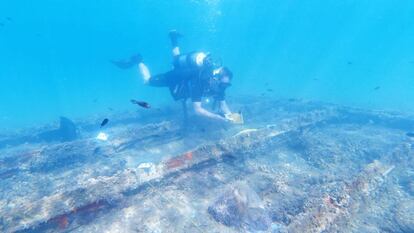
<point x="192" y="82"/>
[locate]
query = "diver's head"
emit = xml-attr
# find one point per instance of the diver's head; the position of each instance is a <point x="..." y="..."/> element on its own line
<point x="223" y="75"/>
<point x="209" y="61"/>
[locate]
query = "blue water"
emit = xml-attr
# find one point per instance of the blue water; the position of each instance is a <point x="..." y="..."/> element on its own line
<point x="54" y="54"/>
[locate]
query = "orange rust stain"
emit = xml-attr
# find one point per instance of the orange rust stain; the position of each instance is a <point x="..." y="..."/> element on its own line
<point x="174" y="162"/>
<point x="63" y="222"/>
<point x="189" y="155"/>
<point x="180" y="160"/>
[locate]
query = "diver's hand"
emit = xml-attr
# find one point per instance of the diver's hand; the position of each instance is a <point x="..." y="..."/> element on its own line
<point x="229" y="118"/>
<point x="200" y="111"/>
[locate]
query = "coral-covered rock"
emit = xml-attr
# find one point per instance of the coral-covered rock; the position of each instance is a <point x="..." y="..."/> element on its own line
<point x="240" y="207"/>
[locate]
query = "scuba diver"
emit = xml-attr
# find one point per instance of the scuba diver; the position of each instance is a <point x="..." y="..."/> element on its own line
<point x="194" y="76"/>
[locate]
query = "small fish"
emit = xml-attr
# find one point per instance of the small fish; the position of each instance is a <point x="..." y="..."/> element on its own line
<point x="141" y="103"/>
<point x="410" y="134"/>
<point x="349" y="63"/>
<point x="270" y="90"/>
<point x="95" y="100"/>
<point x="96" y="150"/>
<point x="9" y="19"/>
<point x="315" y="79"/>
<point x="110" y="109"/>
<point x="377" y="88"/>
<point x="1" y="24"/>
<point x="104" y="122"/>
<point x="127" y="63"/>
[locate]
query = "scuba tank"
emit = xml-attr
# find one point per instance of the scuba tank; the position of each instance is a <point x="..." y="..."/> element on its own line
<point x="190" y="60"/>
